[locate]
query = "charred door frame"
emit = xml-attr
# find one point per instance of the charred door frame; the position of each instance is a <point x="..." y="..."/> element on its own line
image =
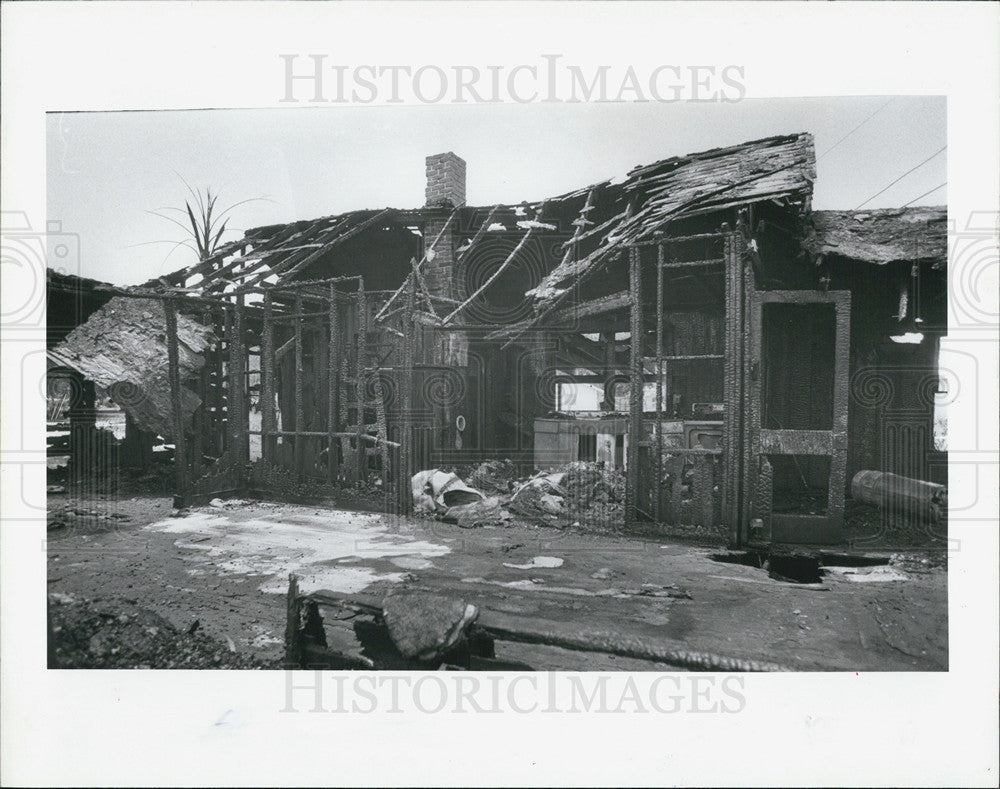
<point x="784" y="528"/>
<point x="737" y="276"/>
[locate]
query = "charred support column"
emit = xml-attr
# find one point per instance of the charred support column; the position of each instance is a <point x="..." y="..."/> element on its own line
<point x="404" y="471"/>
<point x="269" y="421"/>
<point x="299" y="405"/>
<point x="174" y="373"/>
<point x="238" y="387"/>
<point x="735" y="449"/>
<point x="359" y="382"/>
<point x="333" y="388"/>
<point x="658" y="430"/>
<point x="635" y="388"/>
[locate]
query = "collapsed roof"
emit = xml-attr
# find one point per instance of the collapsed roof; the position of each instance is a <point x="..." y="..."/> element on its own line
<point x="123" y="349"/>
<point x="611" y="213"/>
<point x="603" y="218"/>
<point x="881" y="236"/>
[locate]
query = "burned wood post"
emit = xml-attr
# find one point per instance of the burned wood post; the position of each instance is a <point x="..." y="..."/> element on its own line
<point x="174" y="373"/>
<point x="238" y="387"/>
<point x="293" y="653"/>
<point x="658" y="430"/>
<point x="333" y="388"/>
<point x="269" y="422"/>
<point x="359" y="384"/>
<point x="751" y="406"/>
<point x="404" y="471"/>
<point x="635" y="388"/>
<point x="732" y="387"/>
<point x="226" y="378"/>
<point x="299" y="406"/>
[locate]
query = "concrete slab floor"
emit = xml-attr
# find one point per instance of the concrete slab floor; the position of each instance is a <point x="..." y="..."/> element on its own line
<point x="228" y="567"/>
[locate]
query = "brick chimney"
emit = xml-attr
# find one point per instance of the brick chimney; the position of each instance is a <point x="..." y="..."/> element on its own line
<point x="445" y="192"/>
<point x="445" y="181"/>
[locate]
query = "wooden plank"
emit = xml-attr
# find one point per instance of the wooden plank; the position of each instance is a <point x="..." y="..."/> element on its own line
<point x="359" y="382"/>
<point x="749" y="386"/>
<point x="692" y="263"/>
<point x="327" y="434"/>
<point x="285" y="273"/>
<point x="293" y="655"/>
<point x="796" y="442"/>
<point x="518" y="629"/>
<point x="604" y="304"/>
<point x="685" y="357"/>
<point x="425" y="292"/>
<point x="238" y="386"/>
<point x="841" y="375"/>
<point x="635" y="388"/>
<point x="269" y="421"/>
<point x="657" y="239"/>
<point x="174" y="373"/>
<point x="658" y="459"/>
<point x="492" y="278"/>
<point x="402" y="288"/>
<point x="479" y="234"/>
<point x="299" y="405"/>
<point x="404" y="471"/>
<point x="332" y="387"/>
<point x="578" y="237"/>
<point x="732" y="371"/>
<point x="594" y="263"/>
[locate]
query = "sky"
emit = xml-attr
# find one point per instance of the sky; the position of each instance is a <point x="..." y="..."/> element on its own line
<point x="108" y="172"/>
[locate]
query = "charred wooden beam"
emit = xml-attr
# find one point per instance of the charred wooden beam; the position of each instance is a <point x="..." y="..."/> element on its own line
<point x="404" y="471"/>
<point x="333" y="387"/>
<point x="238" y="385"/>
<point x="299" y="405"/>
<point x="269" y="420"/>
<point x="174" y="373"/>
<point x="658" y="430"/>
<point x="402" y="288"/>
<point x="493" y="277"/>
<point x="359" y="381"/>
<point x="635" y="388"/>
<point x="605" y="304"/>
<point x="335" y="434"/>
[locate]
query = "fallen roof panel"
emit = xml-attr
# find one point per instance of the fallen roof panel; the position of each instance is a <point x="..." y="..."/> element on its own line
<point x="884" y="235"/>
<point x="122" y="348"/>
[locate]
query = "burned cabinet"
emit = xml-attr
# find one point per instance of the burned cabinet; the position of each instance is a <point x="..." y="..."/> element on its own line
<point x="796" y="411"/>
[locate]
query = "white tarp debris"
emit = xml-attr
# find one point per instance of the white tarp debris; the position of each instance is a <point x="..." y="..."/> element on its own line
<point x="445" y="494"/>
<point x="536" y="562"/>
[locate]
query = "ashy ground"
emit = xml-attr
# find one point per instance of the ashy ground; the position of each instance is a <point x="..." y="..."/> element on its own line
<point x="227" y="569"/>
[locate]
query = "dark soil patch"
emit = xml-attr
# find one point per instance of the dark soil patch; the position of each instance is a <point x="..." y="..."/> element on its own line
<point x="115" y="634"/>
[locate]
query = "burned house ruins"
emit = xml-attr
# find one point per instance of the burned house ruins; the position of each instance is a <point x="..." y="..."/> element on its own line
<point x="695" y="324"/>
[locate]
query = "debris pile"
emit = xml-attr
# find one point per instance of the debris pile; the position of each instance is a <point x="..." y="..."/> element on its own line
<point x="494" y="477"/>
<point x="88" y="634"/>
<point x="444" y="494"/>
<point x="80" y="515"/>
<point x="579" y="493"/>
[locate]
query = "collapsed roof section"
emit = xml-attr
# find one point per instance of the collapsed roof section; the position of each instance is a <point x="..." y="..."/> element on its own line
<point x="607" y="216"/>
<point x="275" y="254"/>
<point x="775" y="168"/>
<point x="886" y="235"/>
<point x="123" y="349"/>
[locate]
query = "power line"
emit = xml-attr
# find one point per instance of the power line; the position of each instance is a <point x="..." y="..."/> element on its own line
<point x="925" y="194"/>
<point x="916" y="167"/>
<point x="838" y="142"/>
